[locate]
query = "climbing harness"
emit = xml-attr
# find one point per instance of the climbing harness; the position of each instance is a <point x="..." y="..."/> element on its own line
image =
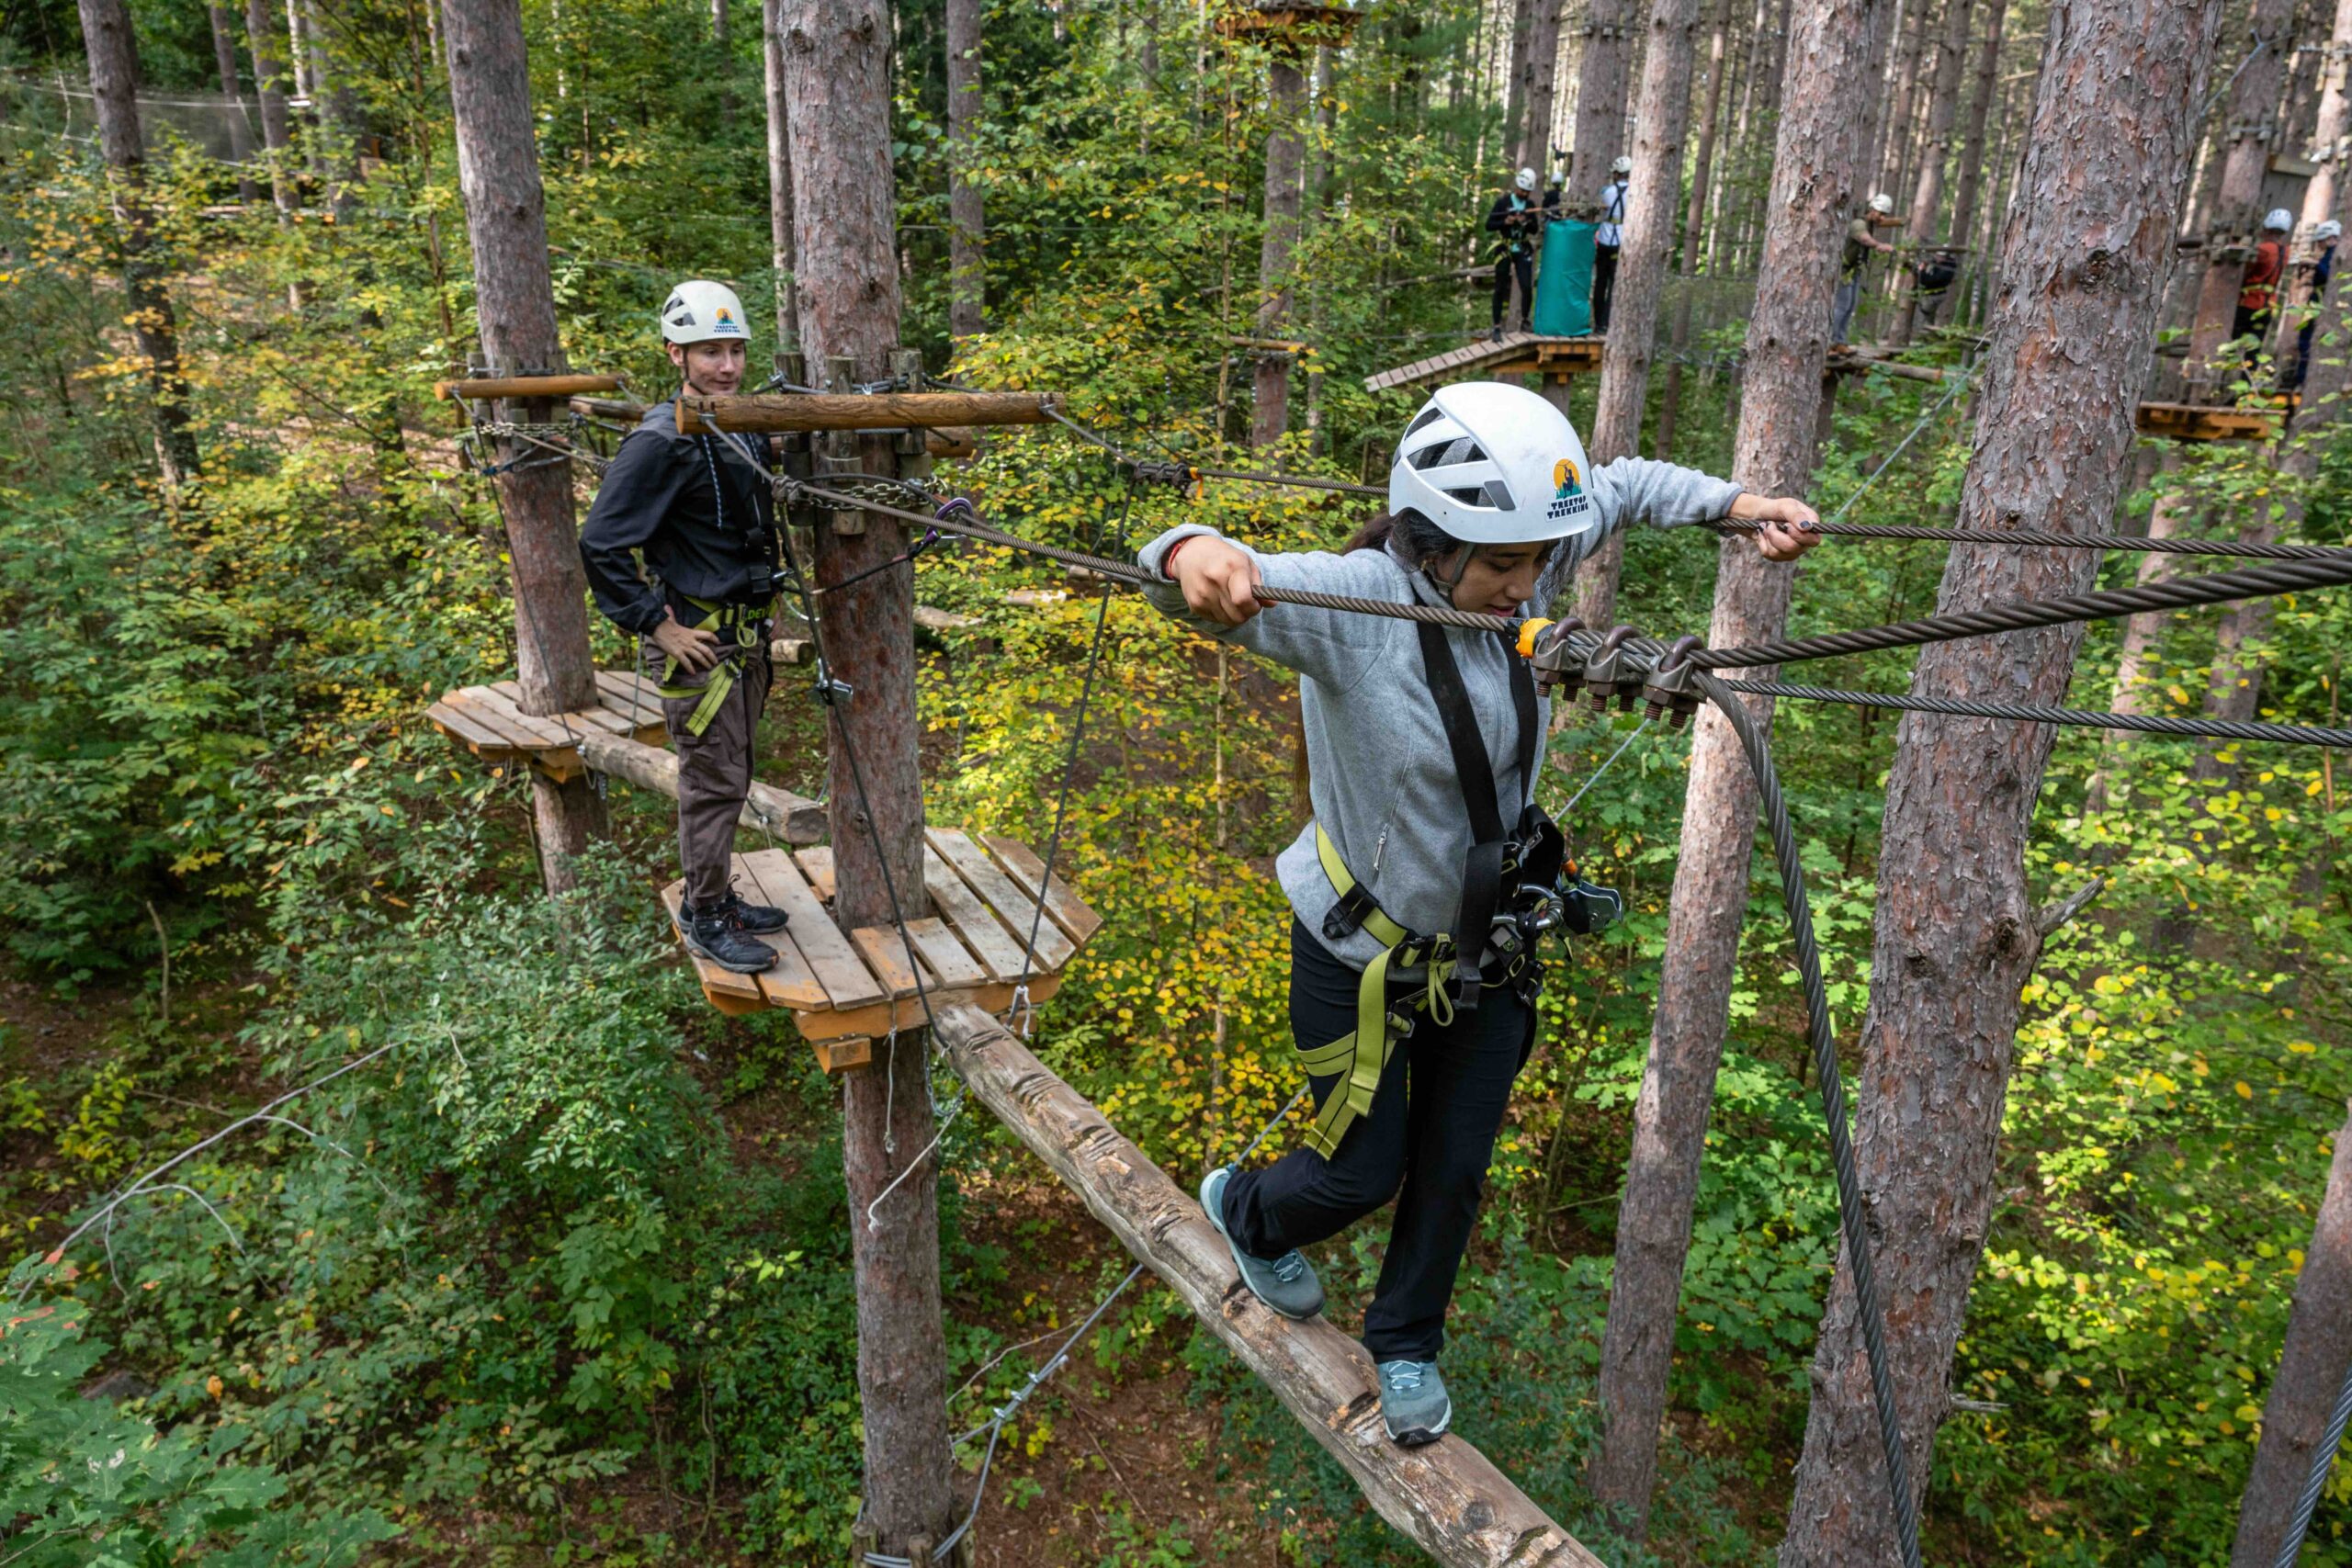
<point x="742" y="631"/>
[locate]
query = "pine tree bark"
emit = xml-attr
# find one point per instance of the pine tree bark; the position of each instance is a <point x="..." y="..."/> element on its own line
<point x="1880" y="78"/>
<point x="2249" y="137"/>
<point x="113" y="51"/>
<point x="780" y="238"/>
<point x="340" y="123"/>
<point x="1285" y="181"/>
<point x="269" y="88"/>
<point x="1663" y="118"/>
<point x="966" y="221"/>
<point x="837" y="86"/>
<point x="1520" y="36"/>
<point x="1670" y="410"/>
<point x="1534" y="150"/>
<point x="2312" y="1365"/>
<point x="498" y="172"/>
<point x="2082" y="269"/>
<point x="1601" y="93"/>
<point x="1943" y="111"/>
<point x="241" y="133"/>
<point x="1971" y="178"/>
<point x="2328" y="137"/>
<point x="1895" y="147"/>
<point x="1818" y="147"/>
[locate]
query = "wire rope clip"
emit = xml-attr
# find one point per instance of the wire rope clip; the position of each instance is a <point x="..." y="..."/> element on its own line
<point x="1669" y="689"/>
<point x="1545" y="645"/>
<point x="830" y="692"/>
<point x="1182" y="478"/>
<point x="1610" y="670"/>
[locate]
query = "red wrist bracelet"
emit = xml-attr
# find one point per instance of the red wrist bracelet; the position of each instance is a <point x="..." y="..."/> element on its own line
<point x="1168" y="561"/>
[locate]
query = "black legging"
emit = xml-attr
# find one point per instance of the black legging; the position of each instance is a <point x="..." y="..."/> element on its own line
<point x="1524" y="264"/>
<point x="1431" y="1128"/>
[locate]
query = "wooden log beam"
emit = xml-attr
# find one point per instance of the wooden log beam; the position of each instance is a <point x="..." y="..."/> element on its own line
<point x="487" y="386"/>
<point x="856" y="410"/>
<point x="779" y="812"/>
<point x="940" y="441"/>
<point x="1446" y="1496"/>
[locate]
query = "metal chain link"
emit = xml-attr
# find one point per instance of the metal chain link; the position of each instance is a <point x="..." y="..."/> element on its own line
<point x="853" y="495"/>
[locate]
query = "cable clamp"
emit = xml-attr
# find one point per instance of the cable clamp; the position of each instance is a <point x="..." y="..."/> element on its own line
<point x="1022" y="1007"/>
<point x="1550" y="657"/>
<point x="1610" y="670"/>
<point x="1671" y="693"/>
<point x="1182" y="478"/>
<point x="830" y="692"/>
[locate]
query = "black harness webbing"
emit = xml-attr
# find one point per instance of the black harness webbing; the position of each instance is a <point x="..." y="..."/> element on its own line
<point x="1492" y="856"/>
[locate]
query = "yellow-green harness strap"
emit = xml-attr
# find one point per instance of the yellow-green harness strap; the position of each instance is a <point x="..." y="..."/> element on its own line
<point x="741" y="621"/>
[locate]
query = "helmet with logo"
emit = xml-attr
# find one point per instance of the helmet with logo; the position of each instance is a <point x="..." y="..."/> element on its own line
<point x="698" y="311"/>
<point x="2330" y="230"/>
<point x="1624" y="166"/>
<point x="1526" y="180"/>
<point x="1491" y="464"/>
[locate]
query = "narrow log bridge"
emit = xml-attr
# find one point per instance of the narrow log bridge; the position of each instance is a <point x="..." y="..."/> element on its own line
<point x="778" y="812"/>
<point x="1446" y="1496"/>
<point x="777" y="411"/>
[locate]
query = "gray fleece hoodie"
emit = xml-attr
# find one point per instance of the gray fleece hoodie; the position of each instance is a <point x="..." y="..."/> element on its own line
<point x="1381" y="779"/>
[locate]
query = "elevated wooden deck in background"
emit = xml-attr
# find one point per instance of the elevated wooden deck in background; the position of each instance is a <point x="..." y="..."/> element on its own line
<point x="2200" y="422"/>
<point x="1518" y="354"/>
<point x="489" y="722"/>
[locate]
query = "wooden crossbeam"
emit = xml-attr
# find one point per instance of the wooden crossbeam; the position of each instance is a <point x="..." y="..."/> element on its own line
<point x="855" y="411"/>
<point x="2198" y="421"/>
<point x="780" y="812"/>
<point x="481" y="388"/>
<point x="950" y="441"/>
<point x="1446" y="1496"/>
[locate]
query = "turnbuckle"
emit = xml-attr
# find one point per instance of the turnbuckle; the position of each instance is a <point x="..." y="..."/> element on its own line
<point x="1670" y="688"/>
<point x="1610" y="670"/>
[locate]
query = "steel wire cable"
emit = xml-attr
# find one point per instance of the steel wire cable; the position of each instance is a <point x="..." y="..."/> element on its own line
<point x="2322" y="1461"/>
<point x="2241" y="549"/>
<point x="2036" y="713"/>
<point x="1851" y="1214"/>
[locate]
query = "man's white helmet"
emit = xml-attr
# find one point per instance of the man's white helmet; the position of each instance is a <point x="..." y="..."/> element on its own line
<point x="2331" y="230"/>
<point x="2280" y="218"/>
<point x="1526" y="180"/>
<point x="698" y="311"/>
<point x="1624" y="166"/>
<point x="1883" y="204"/>
<point x="1493" y="464"/>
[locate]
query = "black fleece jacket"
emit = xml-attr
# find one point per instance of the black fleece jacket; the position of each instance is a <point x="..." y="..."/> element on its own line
<point x="698" y="507"/>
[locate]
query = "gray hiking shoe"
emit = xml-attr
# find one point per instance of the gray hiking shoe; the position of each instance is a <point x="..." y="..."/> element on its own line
<point x="1413" y="1402"/>
<point x="1286" y="1284"/>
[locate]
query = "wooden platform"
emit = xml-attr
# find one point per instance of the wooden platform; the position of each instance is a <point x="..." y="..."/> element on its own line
<point x="844" y="988"/>
<point x="2198" y="421"/>
<point x="1518" y="354"/>
<point x="489" y="721"/>
<point x="1279" y="20"/>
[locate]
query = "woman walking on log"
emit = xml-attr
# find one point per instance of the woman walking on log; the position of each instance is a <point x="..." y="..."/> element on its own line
<point x="1423" y="745"/>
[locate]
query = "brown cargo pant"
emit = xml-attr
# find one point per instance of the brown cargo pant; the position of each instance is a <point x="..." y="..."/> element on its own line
<point x="714" y="770"/>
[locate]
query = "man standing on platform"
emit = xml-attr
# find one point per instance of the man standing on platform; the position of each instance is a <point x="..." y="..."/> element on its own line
<point x="1859" y="243"/>
<point x="1519" y="219"/>
<point x="1606" y="240"/>
<point x="700" y="510"/>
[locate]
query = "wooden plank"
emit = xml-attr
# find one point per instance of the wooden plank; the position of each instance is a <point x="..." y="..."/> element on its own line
<point x="792" y="983"/>
<point x="715" y="981"/>
<point x="816" y="864"/>
<point x="998" y="950"/>
<point x="886" y="955"/>
<point x="463" y="727"/>
<point x="998" y="890"/>
<point x="611" y="723"/>
<point x="838" y="968"/>
<point x="1021" y="863"/>
<point x="944" y="955"/>
<point x="633" y="697"/>
<point x="550" y="731"/>
<point x="906" y="1012"/>
<point x="472" y="701"/>
<point x="839" y="1056"/>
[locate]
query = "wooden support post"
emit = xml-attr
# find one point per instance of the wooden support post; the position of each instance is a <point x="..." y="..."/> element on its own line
<point x="498" y="168"/>
<point x="1445" y="1497"/>
<point x="837" y="87"/>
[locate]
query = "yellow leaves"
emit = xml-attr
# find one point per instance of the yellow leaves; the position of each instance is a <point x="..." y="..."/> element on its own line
<point x="2245" y="1089"/>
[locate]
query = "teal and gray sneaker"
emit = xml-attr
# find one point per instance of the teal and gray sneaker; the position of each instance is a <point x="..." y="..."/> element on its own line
<point x="1286" y="1284"/>
<point x="1413" y="1402"/>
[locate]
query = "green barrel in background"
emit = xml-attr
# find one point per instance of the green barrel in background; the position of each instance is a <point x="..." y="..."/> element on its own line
<point x="1563" y="282"/>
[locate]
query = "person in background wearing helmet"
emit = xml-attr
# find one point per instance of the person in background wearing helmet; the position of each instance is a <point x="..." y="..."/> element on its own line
<point x="1607" y="237"/>
<point x="2258" y="287"/>
<point x="1855" y="266"/>
<point x="2322" y="271"/>
<point x="1519" y="218"/>
<point x="699" y="510"/>
<point x="1423" y="745"/>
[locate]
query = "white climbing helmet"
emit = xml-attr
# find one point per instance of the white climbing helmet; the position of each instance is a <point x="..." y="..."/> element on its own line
<point x="2331" y="230"/>
<point x="1624" y="166"/>
<point x="1492" y="463"/>
<point x="2280" y="218"/>
<point x="698" y="311"/>
<point x="1526" y="180"/>
<point x="1883" y="204"/>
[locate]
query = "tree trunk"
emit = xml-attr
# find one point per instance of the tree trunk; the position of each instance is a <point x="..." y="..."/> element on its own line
<point x="298" y="48"/>
<point x="340" y="124"/>
<point x="1543" y="82"/>
<point x="240" y="132"/>
<point x="1663" y="124"/>
<point x="1702" y="169"/>
<point x="2328" y="139"/>
<point x="2173" y="516"/>
<point x="269" y="88"/>
<point x="498" y="172"/>
<point x="1879" y="75"/>
<point x="1971" y="145"/>
<point x="780" y="239"/>
<point x="1285" y="176"/>
<point x="1600" y="94"/>
<point x="114" y="91"/>
<point x="1895" y="147"/>
<point x="2312" y="1365"/>
<point x="837" y="81"/>
<point x="1521" y="38"/>
<point x="967" y="270"/>
<point x="1943" y="109"/>
<point x="2082" y="269"/>
<point x="1788" y="345"/>
<point x="2233" y="227"/>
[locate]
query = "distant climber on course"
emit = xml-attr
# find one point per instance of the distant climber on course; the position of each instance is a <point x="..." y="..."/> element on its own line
<point x="1607" y="240"/>
<point x="2259" y="288"/>
<point x="1854" y="265"/>
<point x="1418" y="891"/>
<point x="1518" y="216"/>
<point x="700" y="511"/>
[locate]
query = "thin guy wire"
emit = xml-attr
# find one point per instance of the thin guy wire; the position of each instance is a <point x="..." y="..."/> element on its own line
<point x="2034" y="713"/>
<point x="1958" y="386"/>
<point x="2240" y="550"/>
